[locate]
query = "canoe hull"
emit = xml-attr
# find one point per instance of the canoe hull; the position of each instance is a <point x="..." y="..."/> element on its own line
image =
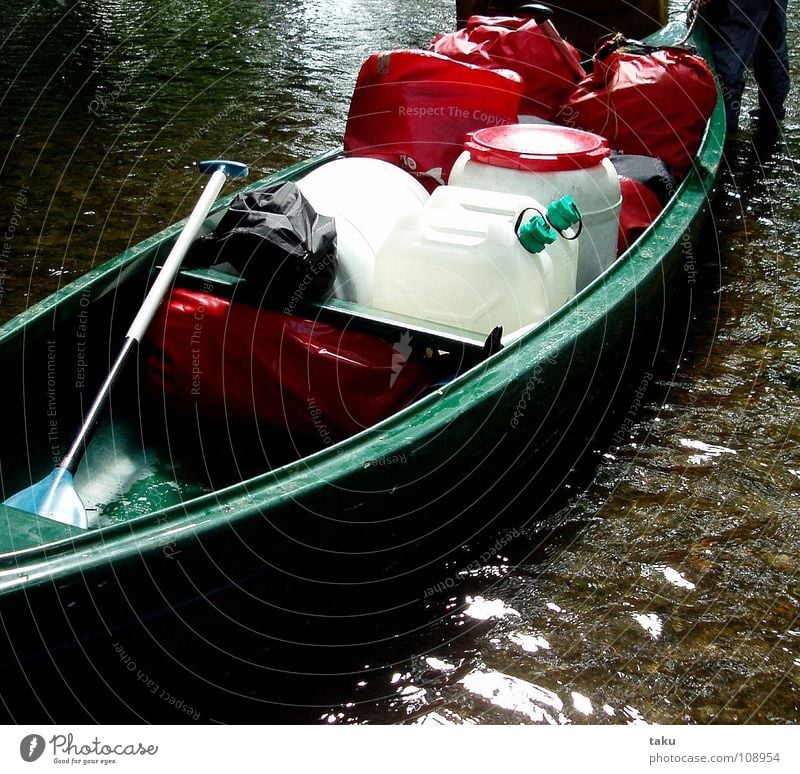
<point x="374" y="524"/>
<point x="379" y="535"/>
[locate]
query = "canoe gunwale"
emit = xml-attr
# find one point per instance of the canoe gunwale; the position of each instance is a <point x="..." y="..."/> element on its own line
<point x="409" y="428"/>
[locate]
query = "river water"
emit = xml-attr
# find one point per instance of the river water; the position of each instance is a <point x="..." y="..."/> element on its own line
<point x="663" y="587"/>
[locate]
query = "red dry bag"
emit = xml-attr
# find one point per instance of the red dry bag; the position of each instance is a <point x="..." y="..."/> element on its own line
<point x="645" y="100"/>
<point x="414" y="109"/>
<point x="640" y="207"/>
<point x="236" y="363"/>
<point x="548" y="65"/>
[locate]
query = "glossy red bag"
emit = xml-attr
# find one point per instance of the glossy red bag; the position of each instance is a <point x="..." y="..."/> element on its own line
<point x="640" y="207"/>
<point x="237" y="363"/>
<point x="414" y="109"/>
<point x="548" y="65"/>
<point x="646" y="101"/>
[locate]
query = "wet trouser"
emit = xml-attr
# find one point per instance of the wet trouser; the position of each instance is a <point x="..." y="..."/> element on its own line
<point x="744" y="32"/>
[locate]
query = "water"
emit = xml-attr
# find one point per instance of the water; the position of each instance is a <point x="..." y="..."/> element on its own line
<point x="663" y="587"/>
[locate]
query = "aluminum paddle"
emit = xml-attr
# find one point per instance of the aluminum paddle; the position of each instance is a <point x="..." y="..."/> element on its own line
<point x="55" y="496"/>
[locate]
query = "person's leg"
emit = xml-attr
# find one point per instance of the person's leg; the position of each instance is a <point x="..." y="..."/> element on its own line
<point x="771" y="64"/>
<point x="734" y="31"/>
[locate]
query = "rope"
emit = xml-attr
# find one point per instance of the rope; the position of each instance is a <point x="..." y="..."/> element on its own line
<point x="692" y="15"/>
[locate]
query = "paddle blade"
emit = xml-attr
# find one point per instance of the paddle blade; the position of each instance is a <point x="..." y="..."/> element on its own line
<point x="54" y="497"/>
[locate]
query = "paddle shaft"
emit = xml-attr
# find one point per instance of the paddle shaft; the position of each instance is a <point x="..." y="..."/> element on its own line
<point x="144" y="317"/>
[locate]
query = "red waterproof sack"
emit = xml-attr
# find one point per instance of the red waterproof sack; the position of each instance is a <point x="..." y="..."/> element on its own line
<point x="647" y="101"/>
<point x="640" y="207"/>
<point x="236" y="363"/>
<point x="548" y="65"/>
<point x="414" y="109"/>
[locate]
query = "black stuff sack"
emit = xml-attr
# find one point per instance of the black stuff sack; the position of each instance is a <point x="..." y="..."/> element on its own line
<point x="274" y="240"/>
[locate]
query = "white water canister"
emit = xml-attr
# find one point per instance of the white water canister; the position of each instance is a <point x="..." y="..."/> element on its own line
<point x="547" y="162"/>
<point x="365" y="197"/>
<point x="458" y="261"/>
<point x="558" y="265"/>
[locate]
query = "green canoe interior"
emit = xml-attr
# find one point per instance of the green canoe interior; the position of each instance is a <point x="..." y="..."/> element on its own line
<point x="139" y="465"/>
<point x="136" y="464"/>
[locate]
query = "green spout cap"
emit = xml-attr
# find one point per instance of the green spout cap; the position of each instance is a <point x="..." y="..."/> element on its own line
<point x="536" y="234"/>
<point x="563" y="213"/>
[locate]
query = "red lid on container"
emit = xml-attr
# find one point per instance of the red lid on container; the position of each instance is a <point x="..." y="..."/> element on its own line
<point x="537" y="147"/>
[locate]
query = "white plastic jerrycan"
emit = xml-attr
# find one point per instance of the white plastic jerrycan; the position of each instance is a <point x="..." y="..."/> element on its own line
<point x="460" y="261"/>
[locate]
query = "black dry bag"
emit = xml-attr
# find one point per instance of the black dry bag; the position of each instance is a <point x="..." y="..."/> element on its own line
<point x="275" y="240"/>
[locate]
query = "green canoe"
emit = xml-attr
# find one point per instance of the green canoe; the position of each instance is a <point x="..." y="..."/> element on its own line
<point x="191" y="525"/>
